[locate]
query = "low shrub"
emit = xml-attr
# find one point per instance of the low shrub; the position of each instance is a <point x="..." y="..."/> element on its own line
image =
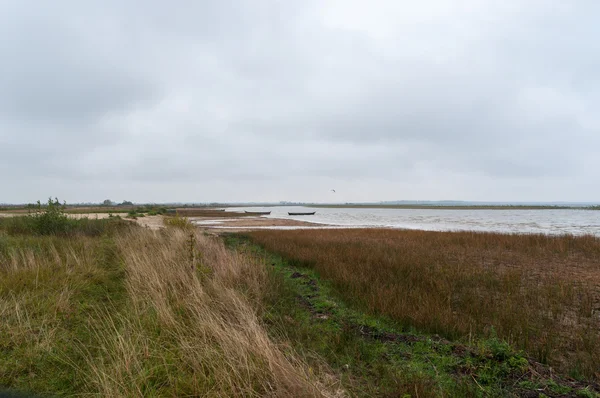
<point x="51" y="219"/>
<point x="178" y="222"/>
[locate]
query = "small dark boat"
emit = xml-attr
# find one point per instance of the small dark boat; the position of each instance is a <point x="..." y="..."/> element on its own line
<point x="302" y="214"/>
<point x="258" y="213"/>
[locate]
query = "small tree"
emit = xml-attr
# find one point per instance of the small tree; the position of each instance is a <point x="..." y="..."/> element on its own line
<point x="107" y="202"/>
<point x="51" y="219"/>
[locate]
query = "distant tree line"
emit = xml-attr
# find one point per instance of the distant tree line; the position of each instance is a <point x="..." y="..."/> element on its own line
<point x="108" y="202"/>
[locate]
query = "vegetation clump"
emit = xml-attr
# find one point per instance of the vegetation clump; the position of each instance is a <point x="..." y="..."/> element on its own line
<point x="178" y="222"/>
<point x="52" y="219"/>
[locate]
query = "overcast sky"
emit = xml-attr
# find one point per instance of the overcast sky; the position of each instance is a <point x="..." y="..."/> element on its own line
<point x="226" y="100"/>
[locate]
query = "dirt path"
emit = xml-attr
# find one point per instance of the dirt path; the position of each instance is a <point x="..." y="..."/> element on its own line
<point x="152" y="222"/>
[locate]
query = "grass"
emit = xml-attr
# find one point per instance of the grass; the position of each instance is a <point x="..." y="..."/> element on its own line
<point x="71" y="209"/>
<point x="193" y="330"/>
<point x="27" y="225"/>
<point x="135" y="312"/>
<point x="375" y="356"/>
<point x="539" y="293"/>
<point x="49" y="288"/>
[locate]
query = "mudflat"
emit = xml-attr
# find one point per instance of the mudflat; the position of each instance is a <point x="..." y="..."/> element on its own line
<point x="249" y="222"/>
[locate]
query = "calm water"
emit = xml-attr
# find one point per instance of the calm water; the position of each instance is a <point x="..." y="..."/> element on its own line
<point x="577" y="222"/>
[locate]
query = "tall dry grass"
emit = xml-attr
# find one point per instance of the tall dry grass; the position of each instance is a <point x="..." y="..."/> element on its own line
<point x="540" y="293"/>
<point x="192" y="328"/>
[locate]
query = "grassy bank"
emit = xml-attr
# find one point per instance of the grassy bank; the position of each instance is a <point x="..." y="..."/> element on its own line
<point x="125" y="311"/>
<point x="539" y="293"/>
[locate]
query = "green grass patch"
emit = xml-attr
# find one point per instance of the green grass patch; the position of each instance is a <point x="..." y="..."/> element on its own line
<point x="51" y="291"/>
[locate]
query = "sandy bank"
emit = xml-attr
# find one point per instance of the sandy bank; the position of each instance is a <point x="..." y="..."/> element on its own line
<point x="246" y="223"/>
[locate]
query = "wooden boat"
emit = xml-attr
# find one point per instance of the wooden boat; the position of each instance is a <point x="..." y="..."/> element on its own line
<point x="302" y="214"/>
<point x="258" y="213"/>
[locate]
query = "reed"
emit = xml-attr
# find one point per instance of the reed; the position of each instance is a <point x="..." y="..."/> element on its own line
<point x="540" y="293"/>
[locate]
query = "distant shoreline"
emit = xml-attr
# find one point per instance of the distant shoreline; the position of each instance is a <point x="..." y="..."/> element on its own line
<point x="457" y="207"/>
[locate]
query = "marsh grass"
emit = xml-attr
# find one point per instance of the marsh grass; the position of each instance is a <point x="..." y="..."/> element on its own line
<point x="539" y="293"/>
<point x="134" y="312"/>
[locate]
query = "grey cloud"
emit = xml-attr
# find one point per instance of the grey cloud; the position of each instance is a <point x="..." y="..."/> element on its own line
<point x="54" y="71"/>
<point x="202" y="98"/>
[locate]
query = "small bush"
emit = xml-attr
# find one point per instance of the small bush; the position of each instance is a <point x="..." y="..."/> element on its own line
<point x="135" y="214"/>
<point x="52" y="219"/>
<point x="178" y="222"/>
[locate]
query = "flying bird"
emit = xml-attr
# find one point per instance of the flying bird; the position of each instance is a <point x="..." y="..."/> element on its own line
<point x="333" y="190"/>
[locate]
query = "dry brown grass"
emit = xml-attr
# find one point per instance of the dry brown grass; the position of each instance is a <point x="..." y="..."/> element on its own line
<point x="540" y="293"/>
<point x="193" y="325"/>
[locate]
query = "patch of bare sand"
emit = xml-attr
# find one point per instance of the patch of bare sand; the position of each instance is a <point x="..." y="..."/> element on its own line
<point x="246" y="223"/>
<point x="152" y="222"/>
<point x="97" y="216"/>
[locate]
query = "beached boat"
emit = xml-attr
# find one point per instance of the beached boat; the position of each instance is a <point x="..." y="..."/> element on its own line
<point x="302" y="214"/>
<point x="258" y="213"/>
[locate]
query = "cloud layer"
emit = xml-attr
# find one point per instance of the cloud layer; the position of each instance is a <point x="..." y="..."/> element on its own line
<point x="274" y="100"/>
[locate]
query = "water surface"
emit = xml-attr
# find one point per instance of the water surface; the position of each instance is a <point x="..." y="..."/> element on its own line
<point x="563" y="221"/>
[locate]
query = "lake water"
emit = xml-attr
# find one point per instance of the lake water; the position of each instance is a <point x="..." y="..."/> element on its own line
<point x="577" y="222"/>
